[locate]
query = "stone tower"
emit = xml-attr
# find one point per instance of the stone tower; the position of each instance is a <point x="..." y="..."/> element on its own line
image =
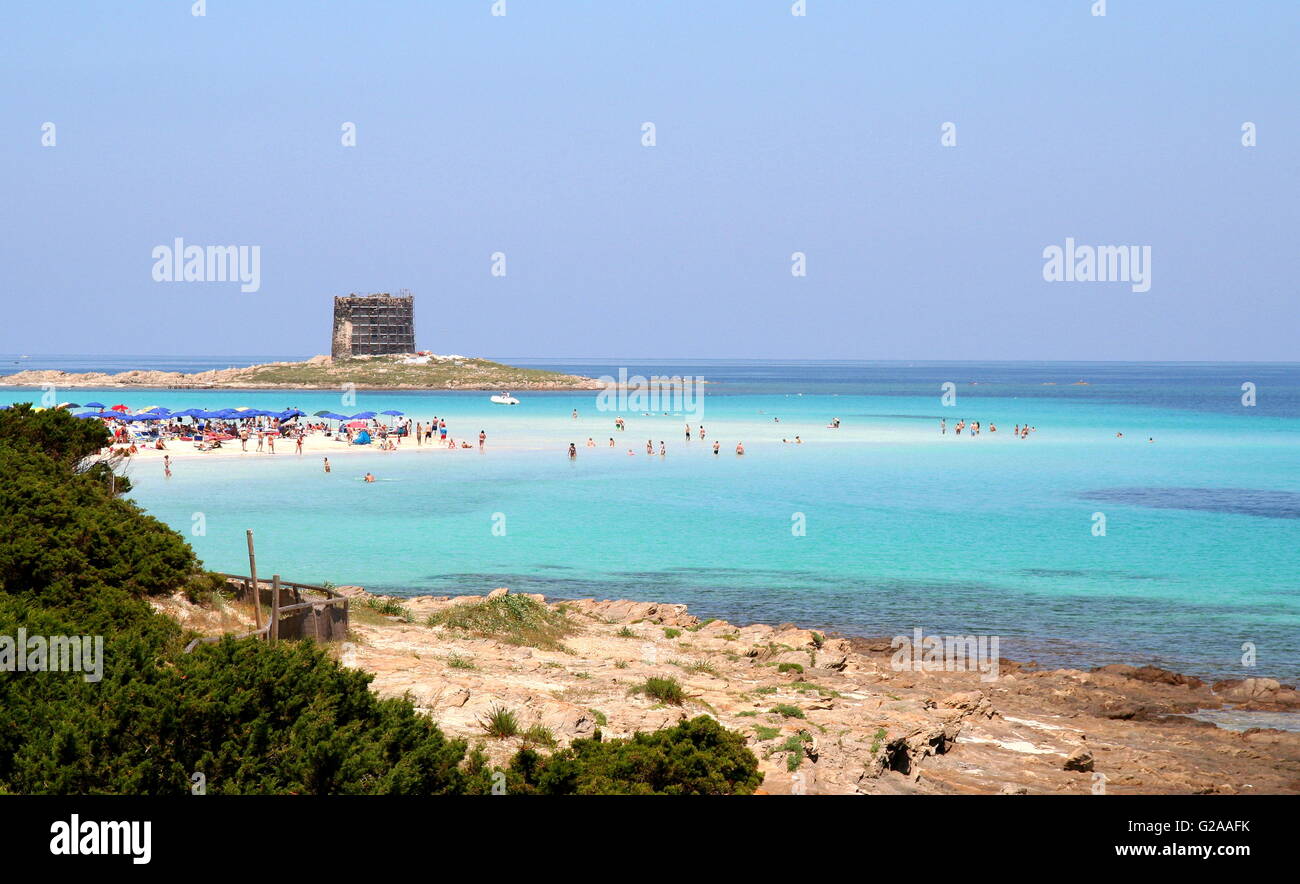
<point x="370" y="325"/>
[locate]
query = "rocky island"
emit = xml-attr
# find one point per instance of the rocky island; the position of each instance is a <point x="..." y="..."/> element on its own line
<point x="387" y="372"/>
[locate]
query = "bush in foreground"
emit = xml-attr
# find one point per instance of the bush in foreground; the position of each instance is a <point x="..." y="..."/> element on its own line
<point x="697" y="757"/>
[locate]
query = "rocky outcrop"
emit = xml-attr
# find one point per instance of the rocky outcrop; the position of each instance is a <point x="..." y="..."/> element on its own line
<point x="824" y="715"/>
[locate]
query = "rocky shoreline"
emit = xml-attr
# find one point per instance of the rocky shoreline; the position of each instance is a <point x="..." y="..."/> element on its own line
<point x="824" y="715"/>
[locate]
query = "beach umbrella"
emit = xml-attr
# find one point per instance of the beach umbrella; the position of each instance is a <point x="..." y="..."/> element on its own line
<point x="333" y="415"/>
<point x="122" y="408"/>
<point x="94" y="405"/>
<point x="357" y="425"/>
<point x="67" y="405"/>
<point x="89" y="414"/>
<point x="293" y="412"/>
<point x="394" y="413"/>
<point x="363" y="416"/>
<point x="323" y="414"/>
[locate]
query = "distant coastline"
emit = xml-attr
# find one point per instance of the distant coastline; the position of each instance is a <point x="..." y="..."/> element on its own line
<point x="323" y="373"/>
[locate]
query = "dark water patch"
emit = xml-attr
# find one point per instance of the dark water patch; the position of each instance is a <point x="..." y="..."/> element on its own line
<point x="1238" y="501"/>
<point x="1071" y="573"/>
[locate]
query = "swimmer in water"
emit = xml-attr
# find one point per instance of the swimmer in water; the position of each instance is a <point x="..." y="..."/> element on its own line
<point x="370" y="477"/>
<point x="663" y="450"/>
<point x="715" y="446"/>
<point x="573" y="451"/>
<point x="740" y="448"/>
<point x="327" y="464"/>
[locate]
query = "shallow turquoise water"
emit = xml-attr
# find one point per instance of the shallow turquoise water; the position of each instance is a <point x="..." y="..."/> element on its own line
<point x="905" y="528"/>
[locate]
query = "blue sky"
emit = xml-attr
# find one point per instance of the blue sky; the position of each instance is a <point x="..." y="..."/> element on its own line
<point x="775" y="134"/>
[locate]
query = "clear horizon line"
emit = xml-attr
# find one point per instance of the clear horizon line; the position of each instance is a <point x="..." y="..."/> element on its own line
<point x="617" y="359"/>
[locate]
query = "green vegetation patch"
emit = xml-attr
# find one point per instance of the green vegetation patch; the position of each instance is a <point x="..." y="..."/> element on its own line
<point x="513" y="619"/>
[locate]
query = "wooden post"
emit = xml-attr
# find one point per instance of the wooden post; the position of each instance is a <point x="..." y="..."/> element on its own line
<point x="257" y="592"/>
<point x="274" y="634"/>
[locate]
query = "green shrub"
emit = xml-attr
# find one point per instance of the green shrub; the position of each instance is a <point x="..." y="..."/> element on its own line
<point x="697" y="757"/>
<point x="665" y="690"/>
<point x="789" y="667"/>
<point x="500" y="723"/>
<point x="786" y="710"/>
<point x="513" y="619"/>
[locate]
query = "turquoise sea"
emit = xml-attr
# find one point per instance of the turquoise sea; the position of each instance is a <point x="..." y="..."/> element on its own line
<point x="905" y="527"/>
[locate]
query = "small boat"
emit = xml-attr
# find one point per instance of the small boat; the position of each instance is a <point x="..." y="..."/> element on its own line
<point x="504" y="399"/>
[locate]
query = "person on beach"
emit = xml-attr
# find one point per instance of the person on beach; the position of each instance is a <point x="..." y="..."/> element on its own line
<point x="482" y="437"/>
<point x="663" y="449"/>
<point x="688" y="432"/>
<point x="701" y="432"/>
<point x="243" y="438"/>
<point x="591" y="443"/>
<point x="573" y="451"/>
<point x="270" y="443"/>
<point x="442" y="429"/>
<point x="649" y="447"/>
<point x="740" y="448"/>
<point x="298" y="442"/>
<point x="167" y="465"/>
<point x="715" y="446"/>
<point x="327" y="464"/>
<point x="575" y="414"/>
<point x="261" y="442"/>
<point x="943" y="426"/>
<point x="611" y="441"/>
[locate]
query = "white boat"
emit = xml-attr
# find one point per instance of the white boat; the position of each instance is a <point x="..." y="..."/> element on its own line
<point x="504" y="399"/>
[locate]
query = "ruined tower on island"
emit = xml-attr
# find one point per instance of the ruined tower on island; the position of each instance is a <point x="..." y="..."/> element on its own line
<point x="371" y="325"/>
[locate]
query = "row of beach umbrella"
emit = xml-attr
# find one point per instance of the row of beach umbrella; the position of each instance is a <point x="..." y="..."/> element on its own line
<point x="159" y="413"/>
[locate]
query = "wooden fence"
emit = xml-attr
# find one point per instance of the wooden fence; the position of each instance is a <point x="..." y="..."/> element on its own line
<point x="296" y="610"/>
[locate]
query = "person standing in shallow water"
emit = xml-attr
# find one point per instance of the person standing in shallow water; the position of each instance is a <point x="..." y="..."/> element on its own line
<point x="573" y="451"/>
<point x="327" y="464"/>
<point x="716" y="446"/>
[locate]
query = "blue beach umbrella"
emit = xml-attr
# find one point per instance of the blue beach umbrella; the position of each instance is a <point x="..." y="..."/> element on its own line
<point x="363" y="416"/>
<point x="94" y="405"/>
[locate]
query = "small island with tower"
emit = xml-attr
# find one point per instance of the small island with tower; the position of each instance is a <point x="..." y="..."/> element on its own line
<point x="372" y="346"/>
